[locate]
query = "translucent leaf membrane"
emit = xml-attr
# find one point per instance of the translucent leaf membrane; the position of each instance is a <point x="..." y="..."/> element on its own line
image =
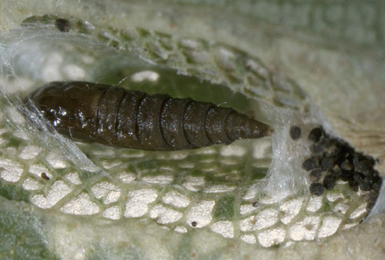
<point x="206" y="60"/>
<point x="253" y="192"/>
<point x="221" y="188"/>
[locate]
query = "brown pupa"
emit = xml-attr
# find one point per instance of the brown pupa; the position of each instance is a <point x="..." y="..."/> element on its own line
<point x="118" y="117"/>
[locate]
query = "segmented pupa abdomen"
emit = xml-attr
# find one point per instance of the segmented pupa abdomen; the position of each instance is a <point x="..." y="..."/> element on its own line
<point x="114" y="116"/>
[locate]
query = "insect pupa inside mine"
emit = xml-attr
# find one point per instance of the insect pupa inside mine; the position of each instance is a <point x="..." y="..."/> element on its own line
<point x="133" y="119"/>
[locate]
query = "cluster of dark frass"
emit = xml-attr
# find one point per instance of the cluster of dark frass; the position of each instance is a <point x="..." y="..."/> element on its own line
<point x="334" y="160"/>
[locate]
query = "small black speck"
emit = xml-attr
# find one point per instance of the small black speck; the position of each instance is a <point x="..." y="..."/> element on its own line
<point x="377" y="181"/>
<point x="347" y="175"/>
<point x="255" y="204"/>
<point x="358" y="177"/>
<point x="327" y="163"/>
<point x="44" y="176"/>
<point x="317" y="148"/>
<point x="310" y="164"/>
<point x="362" y="166"/>
<point x="365" y="186"/>
<point x="329" y="182"/>
<point x="353" y="185"/>
<point x="332" y="150"/>
<point x="315" y="175"/>
<point x="336" y="160"/>
<point x="315" y="134"/>
<point x="194" y="224"/>
<point x="346" y="165"/>
<point x="357" y="158"/>
<point x="369" y="173"/>
<point x="295" y="132"/>
<point x="317" y="189"/>
<point x="63" y="25"/>
<point x="337" y="173"/>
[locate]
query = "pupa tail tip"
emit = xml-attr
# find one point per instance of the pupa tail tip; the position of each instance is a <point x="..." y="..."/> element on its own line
<point x="269" y="131"/>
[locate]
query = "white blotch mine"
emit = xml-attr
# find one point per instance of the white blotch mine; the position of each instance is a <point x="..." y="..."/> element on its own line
<point x="342" y="207"/>
<point x="194" y="183"/>
<point x="250" y="194"/>
<point x="21" y="135"/>
<point x="199" y="57"/>
<point x="333" y="196"/>
<point x="269" y="200"/>
<point x="58" y="191"/>
<point x="51" y="70"/>
<point x="173" y="156"/>
<point x="207" y="151"/>
<point x="224" y="228"/>
<point x="146" y="75"/>
<point x="15" y="116"/>
<point x="112" y="213"/>
<point x="225" y="58"/>
<point x="180" y="229"/>
<point x="290" y="209"/>
<point x="219" y="189"/>
<point x="74" y="72"/>
<point x="247" y="209"/>
<point x="30" y="184"/>
<point x="272" y="237"/>
<point x="186" y="165"/>
<point x="136" y="205"/>
<point x="250" y="239"/>
<point x="305" y="229"/>
<point x="135" y="209"/>
<point x="329" y="226"/>
<point x="359" y="211"/>
<point x="257" y="68"/>
<point x="158" y="179"/>
<point x="109" y="192"/>
<point x="265" y="218"/>
<point x="315" y="203"/>
<point x="144" y="195"/>
<point x="165" y="215"/>
<point x="229" y="160"/>
<point x="29" y="152"/>
<point x="56" y="160"/>
<point x="73" y="177"/>
<point x="88" y="59"/>
<point x="201" y="214"/>
<point x="10" y="171"/>
<point x="176" y="199"/>
<point x="108" y="164"/>
<point x="133" y="154"/>
<point x="38" y="169"/>
<point x="19" y="85"/>
<point x="349" y="226"/>
<point x="232" y="150"/>
<point x="11" y="152"/>
<point x="127" y="177"/>
<point x="104" y="152"/>
<point x="263" y="149"/>
<point x="82" y="205"/>
<point x="208" y="166"/>
<point x="190" y="44"/>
